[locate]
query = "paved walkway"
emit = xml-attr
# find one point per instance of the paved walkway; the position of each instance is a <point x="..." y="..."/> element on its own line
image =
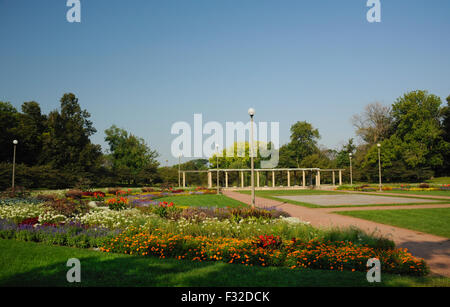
<point x="435" y="250"/>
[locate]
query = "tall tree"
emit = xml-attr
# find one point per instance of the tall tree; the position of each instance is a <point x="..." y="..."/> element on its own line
<point x="130" y="156"/>
<point x="8" y="121"/>
<point x="374" y="124"/>
<point x="66" y="145"/>
<point x="29" y="131"/>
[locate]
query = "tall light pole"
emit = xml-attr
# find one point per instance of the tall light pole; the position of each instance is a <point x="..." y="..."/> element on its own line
<point x="379" y="165"/>
<point x="351" y="173"/>
<point x="179" y="170"/>
<point x="251" y="112"/>
<point x="217" y="167"/>
<point x="15" y="142"/>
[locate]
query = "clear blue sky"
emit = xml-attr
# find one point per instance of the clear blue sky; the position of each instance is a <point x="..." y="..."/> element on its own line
<point x="143" y="65"/>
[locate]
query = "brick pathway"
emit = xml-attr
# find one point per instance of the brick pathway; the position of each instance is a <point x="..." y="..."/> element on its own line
<point x="435" y="250"/>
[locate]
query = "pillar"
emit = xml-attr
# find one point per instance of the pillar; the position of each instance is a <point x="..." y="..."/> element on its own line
<point x="226" y="179"/>
<point x="334" y="179"/>
<point x="289" y="178"/>
<point x="184" y="179"/>
<point x="340" y="177"/>
<point x="318" y="179"/>
<point x="304" y="179"/>
<point x="257" y="179"/>
<point x="273" y="179"/>
<point x="242" y="179"/>
<point x="209" y="180"/>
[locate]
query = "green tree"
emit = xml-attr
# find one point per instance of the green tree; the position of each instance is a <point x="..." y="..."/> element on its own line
<point x="66" y="143"/>
<point x="31" y="125"/>
<point x="343" y="158"/>
<point x="130" y="156"/>
<point x="8" y="123"/>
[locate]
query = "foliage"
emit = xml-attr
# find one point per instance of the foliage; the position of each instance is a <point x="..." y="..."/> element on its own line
<point x="313" y="254"/>
<point x="130" y="156"/>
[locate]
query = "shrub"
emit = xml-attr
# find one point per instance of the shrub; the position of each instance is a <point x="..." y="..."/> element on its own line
<point x="424" y="186"/>
<point x="75" y="194"/>
<point x="67" y="207"/>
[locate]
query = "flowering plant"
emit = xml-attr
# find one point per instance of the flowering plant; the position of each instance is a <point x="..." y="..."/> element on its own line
<point x="118" y="203"/>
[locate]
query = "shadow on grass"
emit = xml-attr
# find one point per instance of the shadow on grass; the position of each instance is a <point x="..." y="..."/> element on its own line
<point x="153" y="272"/>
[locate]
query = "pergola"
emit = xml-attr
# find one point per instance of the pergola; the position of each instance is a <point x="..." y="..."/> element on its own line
<point x="288" y="171"/>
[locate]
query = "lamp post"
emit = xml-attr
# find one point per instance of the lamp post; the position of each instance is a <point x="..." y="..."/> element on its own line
<point x="179" y="171"/>
<point x="251" y="112"/>
<point x="379" y="165"/>
<point x="15" y="142"/>
<point x="351" y="173"/>
<point x="217" y="167"/>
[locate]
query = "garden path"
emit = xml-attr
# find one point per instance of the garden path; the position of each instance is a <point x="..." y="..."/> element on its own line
<point x="434" y="249"/>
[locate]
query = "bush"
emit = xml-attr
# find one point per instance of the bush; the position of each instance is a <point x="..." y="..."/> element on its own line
<point x="75" y="194"/>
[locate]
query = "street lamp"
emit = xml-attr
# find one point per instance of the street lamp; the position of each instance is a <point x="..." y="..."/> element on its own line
<point x="251" y="112"/>
<point x="179" y="171"/>
<point x="15" y="142"/>
<point x="217" y="167"/>
<point x="379" y="165"/>
<point x="351" y="175"/>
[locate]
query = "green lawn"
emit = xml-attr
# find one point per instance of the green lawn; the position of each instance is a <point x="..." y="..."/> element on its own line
<point x="433" y="221"/>
<point x="440" y="180"/>
<point x="207" y="200"/>
<point x="425" y="193"/>
<point x="34" y="264"/>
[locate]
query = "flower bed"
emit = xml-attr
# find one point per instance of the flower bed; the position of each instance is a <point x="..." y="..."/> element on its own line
<point x="313" y="254"/>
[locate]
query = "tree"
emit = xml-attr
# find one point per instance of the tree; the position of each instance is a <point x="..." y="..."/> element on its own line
<point x="343" y="158"/>
<point x="130" y="156"/>
<point x="8" y="122"/>
<point x="31" y="125"/>
<point x="66" y="144"/>
<point x="416" y="148"/>
<point x="374" y="124"/>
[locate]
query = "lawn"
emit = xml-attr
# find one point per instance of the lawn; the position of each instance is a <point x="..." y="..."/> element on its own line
<point x="206" y="200"/>
<point x="433" y="221"/>
<point x="34" y="264"/>
<point x="424" y="193"/>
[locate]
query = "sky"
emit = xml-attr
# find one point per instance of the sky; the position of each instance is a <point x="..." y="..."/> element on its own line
<point x="144" y="65"/>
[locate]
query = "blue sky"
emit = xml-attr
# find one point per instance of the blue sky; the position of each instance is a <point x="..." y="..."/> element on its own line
<point x="143" y="65"/>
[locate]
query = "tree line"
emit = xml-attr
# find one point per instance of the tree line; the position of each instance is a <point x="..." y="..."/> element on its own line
<point x="55" y="150"/>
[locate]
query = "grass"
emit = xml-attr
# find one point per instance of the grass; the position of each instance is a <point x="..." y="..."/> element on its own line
<point x="440" y="180"/>
<point x="33" y="264"/>
<point x="433" y="221"/>
<point x="425" y="193"/>
<point x="206" y="200"/>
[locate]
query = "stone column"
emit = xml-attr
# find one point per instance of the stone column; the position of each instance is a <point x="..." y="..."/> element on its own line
<point x="226" y="179"/>
<point x="257" y="179"/>
<point x="340" y="177"/>
<point x="273" y="179"/>
<point x="289" y="178"/>
<point x="304" y="179"/>
<point x="184" y="179"/>
<point x="318" y="179"/>
<point x="242" y="179"/>
<point x="334" y="179"/>
<point x="209" y="180"/>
